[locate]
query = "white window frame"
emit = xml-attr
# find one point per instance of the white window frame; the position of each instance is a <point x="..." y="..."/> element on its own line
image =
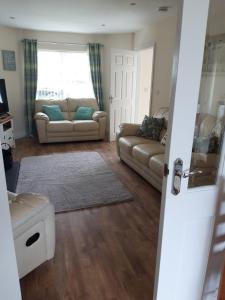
<point x="64" y="93"/>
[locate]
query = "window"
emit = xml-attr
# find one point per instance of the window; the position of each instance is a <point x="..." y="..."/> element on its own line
<point x="63" y="74"/>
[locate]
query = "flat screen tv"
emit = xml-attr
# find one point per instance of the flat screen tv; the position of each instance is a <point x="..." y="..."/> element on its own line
<point x="4" y="108"/>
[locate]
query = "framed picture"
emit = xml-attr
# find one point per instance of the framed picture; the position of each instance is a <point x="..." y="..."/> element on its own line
<point x="9" y="60"/>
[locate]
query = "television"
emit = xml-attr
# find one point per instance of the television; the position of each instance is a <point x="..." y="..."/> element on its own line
<point x="4" y="107"/>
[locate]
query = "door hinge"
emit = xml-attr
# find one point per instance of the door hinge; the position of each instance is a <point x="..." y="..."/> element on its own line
<point x="166" y="170"/>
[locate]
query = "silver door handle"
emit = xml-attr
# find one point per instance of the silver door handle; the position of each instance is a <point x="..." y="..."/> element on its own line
<point x="188" y="173"/>
<point x="178" y="174"/>
<point x="110" y="99"/>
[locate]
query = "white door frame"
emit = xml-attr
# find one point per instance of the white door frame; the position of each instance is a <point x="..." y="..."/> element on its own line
<point x="193" y="16"/>
<point x="9" y="279"/>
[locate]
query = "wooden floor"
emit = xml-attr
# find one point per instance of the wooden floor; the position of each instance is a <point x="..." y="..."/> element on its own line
<point x="105" y="253"/>
<point x="222" y="287"/>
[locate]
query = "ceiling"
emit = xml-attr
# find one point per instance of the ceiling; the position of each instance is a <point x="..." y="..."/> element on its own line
<point x="83" y="16"/>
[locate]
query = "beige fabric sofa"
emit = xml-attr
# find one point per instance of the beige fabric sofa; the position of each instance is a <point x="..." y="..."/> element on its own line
<point x="146" y="156"/>
<point x="69" y="129"/>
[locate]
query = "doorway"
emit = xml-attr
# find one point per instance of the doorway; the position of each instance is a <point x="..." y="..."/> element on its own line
<point x="131" y="86"/>
<point x="122" y="88"/>
<point x="144" y="83"/>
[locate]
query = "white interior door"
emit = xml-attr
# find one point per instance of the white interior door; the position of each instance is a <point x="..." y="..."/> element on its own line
<point x="190" y="190"/>
<point x="123" y="88"/>
<point x="9" y="279"/>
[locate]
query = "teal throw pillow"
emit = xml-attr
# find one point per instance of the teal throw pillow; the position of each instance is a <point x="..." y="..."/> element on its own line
<point x="53" y="112"/>
<point x="151" y="128"/>
<point x="84" y="113"/>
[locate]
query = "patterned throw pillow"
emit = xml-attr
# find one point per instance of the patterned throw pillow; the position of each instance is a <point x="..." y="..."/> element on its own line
<point x="205" y="145"/>
<point x="151" y="128"/>
<point x="163" y="140"/>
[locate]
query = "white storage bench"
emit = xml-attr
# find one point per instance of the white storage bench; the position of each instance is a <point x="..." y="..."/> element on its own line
<point x="33" y="222"/>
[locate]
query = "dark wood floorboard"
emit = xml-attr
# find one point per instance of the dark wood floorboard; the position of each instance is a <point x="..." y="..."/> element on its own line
<point x="105" y="253"/>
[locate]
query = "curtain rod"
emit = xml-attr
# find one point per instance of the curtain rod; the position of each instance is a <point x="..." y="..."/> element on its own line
<point x="64" y="43"/>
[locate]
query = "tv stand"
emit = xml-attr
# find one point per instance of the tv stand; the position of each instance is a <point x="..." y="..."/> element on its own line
<point x="6" y="130"/>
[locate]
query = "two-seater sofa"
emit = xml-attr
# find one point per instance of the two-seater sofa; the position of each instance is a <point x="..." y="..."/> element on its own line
<point x="69" y="129"/>
<point x="147" y="156"/>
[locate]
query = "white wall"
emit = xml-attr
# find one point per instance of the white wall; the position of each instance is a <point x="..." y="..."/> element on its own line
<point x="163" y="34"/>
<point x="145" y="59"/>
<point x="10" y="39"/>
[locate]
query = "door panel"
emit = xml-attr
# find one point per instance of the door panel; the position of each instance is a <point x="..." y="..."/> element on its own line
<point x="123" y="85"/>
<point x="195" y="244"/>
<point x="187" y="217"/>
<point x="9" y="279"/>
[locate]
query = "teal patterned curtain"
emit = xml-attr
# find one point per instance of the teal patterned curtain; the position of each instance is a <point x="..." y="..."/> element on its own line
<point x="96" y="76"/>
<point x="30" y="81"/>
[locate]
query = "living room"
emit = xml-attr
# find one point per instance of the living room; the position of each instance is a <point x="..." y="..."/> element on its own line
<point x="11" y="38"/>
<point x="103" y="244"/>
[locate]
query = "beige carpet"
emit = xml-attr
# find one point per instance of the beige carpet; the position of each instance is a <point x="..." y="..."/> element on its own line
<point x="72" y="180"/>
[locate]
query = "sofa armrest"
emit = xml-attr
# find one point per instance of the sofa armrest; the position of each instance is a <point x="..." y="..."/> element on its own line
<point x="42" y="121"/>
<point x="99" y="114"/>
<point x="41" y="116"/>
<point x="126" y="129"/>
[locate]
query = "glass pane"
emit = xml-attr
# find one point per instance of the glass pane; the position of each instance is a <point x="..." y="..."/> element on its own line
<point x="209" y="125"/>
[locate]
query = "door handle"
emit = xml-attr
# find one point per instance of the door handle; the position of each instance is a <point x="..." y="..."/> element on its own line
<point x="110" y="99"/>
<point x="179" y="174"/>
<point x="188" y="173"/>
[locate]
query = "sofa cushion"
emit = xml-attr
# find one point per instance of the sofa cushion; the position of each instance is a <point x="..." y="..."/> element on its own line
<point x="40" y="102"/>
<point x="26" y="205"/>
<point x="151" y="128"/>
<point x="84" y="113"/>
<point x="144" y="151"/>
<point x="60" y="126"/>
<point x="73" y="104"/>
<point x="204" y="144"/>
<point x="127" y="143"/>
<point x="53" y="112"/>
<point x="163" y="112"/>
<point x="85" y="125"/>
<point x="156" y="164"/>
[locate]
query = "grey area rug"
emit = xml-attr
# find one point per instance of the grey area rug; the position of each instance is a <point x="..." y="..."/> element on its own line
<point x="72" y="180"/>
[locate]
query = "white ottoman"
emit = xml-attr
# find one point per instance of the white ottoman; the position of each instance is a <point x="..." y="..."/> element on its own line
<point x="33" y="222"/>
